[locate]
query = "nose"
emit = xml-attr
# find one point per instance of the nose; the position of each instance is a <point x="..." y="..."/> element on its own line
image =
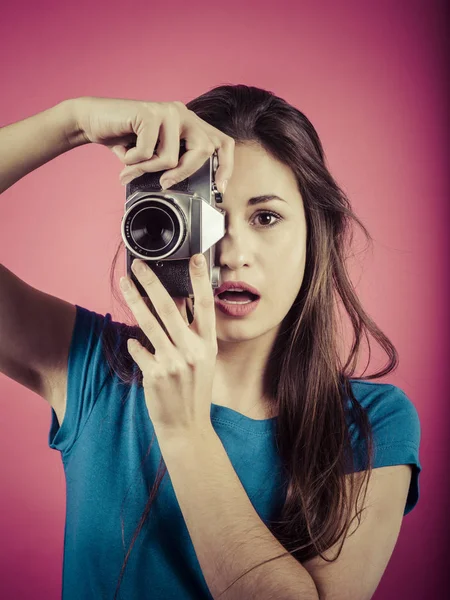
<point x="232" y="254"/>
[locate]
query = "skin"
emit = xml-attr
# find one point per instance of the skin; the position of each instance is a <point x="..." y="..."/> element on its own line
<point x="271" y="259"/>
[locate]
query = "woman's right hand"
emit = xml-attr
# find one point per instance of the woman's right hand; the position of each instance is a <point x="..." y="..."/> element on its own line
<point x="120" y="123"/>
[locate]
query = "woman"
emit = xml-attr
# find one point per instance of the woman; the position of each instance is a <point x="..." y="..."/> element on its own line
<point x="272" y="448"/>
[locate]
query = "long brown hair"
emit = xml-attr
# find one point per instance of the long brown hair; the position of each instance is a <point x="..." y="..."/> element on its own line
<point x="304" y="373"/>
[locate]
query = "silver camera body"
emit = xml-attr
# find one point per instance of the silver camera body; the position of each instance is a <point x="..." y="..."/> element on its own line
<point x="164" y="228"/>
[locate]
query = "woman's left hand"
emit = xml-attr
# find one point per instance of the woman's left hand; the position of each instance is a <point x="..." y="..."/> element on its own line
<point x="178" y="378"/>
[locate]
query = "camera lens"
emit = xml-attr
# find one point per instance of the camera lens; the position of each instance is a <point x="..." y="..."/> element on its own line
<point x="154" y="228"/>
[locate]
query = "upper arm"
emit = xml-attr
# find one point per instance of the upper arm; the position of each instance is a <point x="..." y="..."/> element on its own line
<point x="36" y="330"/>
<point x="357" y="572"/>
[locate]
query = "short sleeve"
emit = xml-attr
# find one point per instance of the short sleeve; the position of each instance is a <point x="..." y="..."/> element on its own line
<point x="396" y="434"/>
<point x="87" y="372"/>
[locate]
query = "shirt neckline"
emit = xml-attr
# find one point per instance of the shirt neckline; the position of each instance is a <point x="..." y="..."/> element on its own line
<point x="224" y="414"/>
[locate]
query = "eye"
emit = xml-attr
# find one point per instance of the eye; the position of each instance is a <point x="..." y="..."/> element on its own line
<point x="271" y="214"/>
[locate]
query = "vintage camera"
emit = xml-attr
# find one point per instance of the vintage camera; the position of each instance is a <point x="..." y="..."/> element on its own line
<point x="164" y="228"/>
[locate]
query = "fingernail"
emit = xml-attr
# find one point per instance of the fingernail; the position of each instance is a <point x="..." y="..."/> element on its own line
<point x="124" y="283"/>
<point x="167" y="183"/>
<point x="199" y="260"/>
<point x="126" y="179"/>
<point x="139" y="267"/>
<point x="224" y="185"/>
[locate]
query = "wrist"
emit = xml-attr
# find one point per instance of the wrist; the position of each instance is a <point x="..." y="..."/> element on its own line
<point x="69" y="113"/>
<point x="178" y="441"/>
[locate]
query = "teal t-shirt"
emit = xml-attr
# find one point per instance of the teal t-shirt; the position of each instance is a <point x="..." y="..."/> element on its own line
<point x="103" y="441"/>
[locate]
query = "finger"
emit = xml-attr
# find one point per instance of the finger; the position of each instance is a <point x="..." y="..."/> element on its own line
<point x="225" y="155"/>
<point x="166" y="155"/>
<point x="164" y="306"/>
<point x="147" y="133"/>
<point x="141" y="356"/>
<point x="147" y="322"/>
<point x="181" y="305"/>
<point x="205" y="314"/>
<point x="119" y="151"/>
<point x="198" y="150"/>
<point x="131" y="172"/>
<point x="225" y="146"/>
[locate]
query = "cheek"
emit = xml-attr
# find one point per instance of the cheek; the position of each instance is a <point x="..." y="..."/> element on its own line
<point x="286" y="281"/>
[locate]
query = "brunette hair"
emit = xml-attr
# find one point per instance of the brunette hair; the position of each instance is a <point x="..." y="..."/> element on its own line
<point x="304" y="373"/>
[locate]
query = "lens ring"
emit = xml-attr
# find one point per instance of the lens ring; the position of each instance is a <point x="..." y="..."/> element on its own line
<point x="141" y="237"/>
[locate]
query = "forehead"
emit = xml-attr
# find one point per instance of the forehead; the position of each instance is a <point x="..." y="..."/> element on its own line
<point x="256" y="172"/>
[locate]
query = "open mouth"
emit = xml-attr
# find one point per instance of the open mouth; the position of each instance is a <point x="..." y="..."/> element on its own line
<point x="231" y="297"/>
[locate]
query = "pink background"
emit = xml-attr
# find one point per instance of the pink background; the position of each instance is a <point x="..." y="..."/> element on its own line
<point x="370" y="78"/>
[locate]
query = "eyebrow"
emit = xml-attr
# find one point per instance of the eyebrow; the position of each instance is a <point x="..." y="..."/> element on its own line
<point x="264" y="198"/>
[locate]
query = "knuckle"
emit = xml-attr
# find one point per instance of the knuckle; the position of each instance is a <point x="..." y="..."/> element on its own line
<point x="170" y="161"/>
<point x="201" y="356"/>
<point x="150" y="108"/>
<point x="206" y="302"/>
<point x="207" y="149"/>
<point x="158" y="359"/>
<point x="178" y="104"/>
<point x="197" y="273"/>
<point x="159" y="374"/>
<point x="168" y="309"/>
<point x="133" y="299"/>
<point x="228" y="141"/>
<point x="173" y="108"/>
<point x="148" y="325"/>
<point x="149" y="277"/>
<point x="182" y="367"/>
<point x="173" y="368"/>
<point x="136" y="172"/>
<point x="190" y="358"/>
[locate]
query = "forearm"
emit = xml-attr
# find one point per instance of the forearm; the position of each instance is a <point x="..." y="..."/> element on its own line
<point x="228" y="535"/>
<point x="34" y="141"/>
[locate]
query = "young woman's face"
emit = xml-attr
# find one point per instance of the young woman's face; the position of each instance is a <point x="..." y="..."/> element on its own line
<point x="266" y="251"/>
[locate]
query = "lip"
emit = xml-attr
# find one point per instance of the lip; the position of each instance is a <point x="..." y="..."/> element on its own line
<point x="232" y="285"/>
<point x="236" y="310"/>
